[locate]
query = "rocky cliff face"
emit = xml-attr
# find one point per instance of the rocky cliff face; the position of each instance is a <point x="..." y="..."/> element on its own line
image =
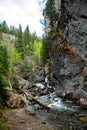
<point x="7" y="38"/>
<point x="68" y="49"/>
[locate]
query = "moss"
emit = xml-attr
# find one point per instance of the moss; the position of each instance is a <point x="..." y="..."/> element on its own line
<point x="48" y="62"/>
<point x="53" y="48"/>
<point x="57" y="34"/>
<point x="64" y="48"/>
<point x="54" y="33"/>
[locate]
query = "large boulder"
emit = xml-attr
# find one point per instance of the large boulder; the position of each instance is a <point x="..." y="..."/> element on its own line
<point x="79" y="93"/>
<point x="15" y="101"/>
<point x="83" y="103"/>
<point x="84" y="71"/>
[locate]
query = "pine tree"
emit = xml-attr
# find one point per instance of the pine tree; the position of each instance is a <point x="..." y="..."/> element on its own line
<point x="27" y="40"/>
<point x="45" y="50"/>
<point x="13" y="30"/>
<point x="4" y="27"/>
<point x="51" y="12"/>
<point x="27" y="36"/>
<point x="4" y="69"/>
<point x="4" y="64"/>
<point x="19" y="42"/>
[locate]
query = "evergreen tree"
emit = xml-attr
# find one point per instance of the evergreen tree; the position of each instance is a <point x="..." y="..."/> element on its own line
<point x="4" y="27"/>
<point x="13" y="30"/>
<point x="45" y="49"/>
<point x="27" y="36"/>
<point x="19" y="42"/>
<point x="4" y="64"/>
<point x="51" y="12"/>
<point x="4" y="69"/>
<point x="27" y="40"/>
<point x="0" y="27"/>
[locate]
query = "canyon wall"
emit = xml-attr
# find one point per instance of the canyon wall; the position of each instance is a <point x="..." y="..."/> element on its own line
<point x="68" y="45"/>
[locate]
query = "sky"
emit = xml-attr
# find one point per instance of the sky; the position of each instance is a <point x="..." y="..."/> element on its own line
<point x="24" y="12"/>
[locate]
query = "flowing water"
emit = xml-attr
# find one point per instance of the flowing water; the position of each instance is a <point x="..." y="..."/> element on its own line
<point x="64" y="113"/>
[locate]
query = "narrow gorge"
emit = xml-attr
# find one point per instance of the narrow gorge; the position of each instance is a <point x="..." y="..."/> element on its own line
<point x="50" y="94"/>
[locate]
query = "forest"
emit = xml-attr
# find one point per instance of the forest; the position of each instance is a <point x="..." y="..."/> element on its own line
<point x="18" y="48"/>
<point x="43" y="80"/>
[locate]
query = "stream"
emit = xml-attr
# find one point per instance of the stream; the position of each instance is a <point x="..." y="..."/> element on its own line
<point x="63" y="112"/>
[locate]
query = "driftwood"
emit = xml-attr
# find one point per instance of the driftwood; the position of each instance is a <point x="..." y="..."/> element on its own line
<point x="28" y="96"/>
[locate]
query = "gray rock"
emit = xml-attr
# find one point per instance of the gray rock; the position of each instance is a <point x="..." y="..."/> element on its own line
<point x="39" y="79"/>
<point x="30" y="109"/>
<point x="37" y="106"/>
<point x="69" y="57"/>
<point x="79" y="93"/>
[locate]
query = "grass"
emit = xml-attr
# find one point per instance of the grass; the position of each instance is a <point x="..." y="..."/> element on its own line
<point x="4" y="124"/>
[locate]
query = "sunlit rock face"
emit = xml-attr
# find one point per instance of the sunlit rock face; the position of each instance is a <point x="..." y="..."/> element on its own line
<point x="68" y="49"/>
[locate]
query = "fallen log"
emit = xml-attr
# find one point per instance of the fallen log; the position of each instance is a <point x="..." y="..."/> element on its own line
<point x="28" y="96"/>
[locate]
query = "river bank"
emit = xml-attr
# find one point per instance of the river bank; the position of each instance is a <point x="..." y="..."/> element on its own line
<point x="45" y="120"/>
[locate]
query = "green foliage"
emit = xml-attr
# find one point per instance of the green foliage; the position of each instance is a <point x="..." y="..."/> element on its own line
<point x="13" y="30"/>
<point x="36" y="51"/>
<point x="3" y="125"/>
<point x="14" y="57"/>
<point x="45" y="50"/>
<point x="3" y="122"/>
<point x="3" y="93"/>
<point x="27" y="36"/>
<point x="5" y="81"/>
<point x="27" y="70"/>
<point x="27" y="40"/>
<point x="50" y="11"/>
<point x="4" y="64"/>
<point x="26" y="67"/>
<point x="4" y="69"/>
<point x="14" y="82"/>
<point x="19" y="42"/>
<point x="4" y="27"/>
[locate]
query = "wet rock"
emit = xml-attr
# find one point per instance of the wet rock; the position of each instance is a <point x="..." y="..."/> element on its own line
<point x="37" y="106"/>
<point x="69" y="96"/>
<point x="83" y="103"/>
<point x="39" y="79"/>
<point x="44" y="92"/>
<point x="15" y="101"/>
<point x="41" y="86"/>
<point x="30" y="109"/>
<point x="41" y="72"/>
<point x="60" y="94"/>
